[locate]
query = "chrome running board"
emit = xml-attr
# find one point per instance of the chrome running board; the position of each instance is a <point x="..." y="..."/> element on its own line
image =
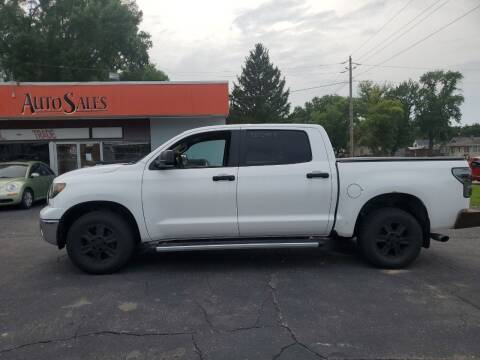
<point x="230" y="245"/>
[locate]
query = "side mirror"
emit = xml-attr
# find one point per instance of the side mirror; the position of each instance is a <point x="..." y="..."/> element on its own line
<point x="166" y="160"/>
<point x="34" y="175"/>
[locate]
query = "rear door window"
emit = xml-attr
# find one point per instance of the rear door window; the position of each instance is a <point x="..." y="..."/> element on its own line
<point x="275" y="147"/>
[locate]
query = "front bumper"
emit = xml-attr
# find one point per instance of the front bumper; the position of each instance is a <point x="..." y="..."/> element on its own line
<point x="48" y="229"/>
<point x="7" y="199"/>
<point x="467" y="218"/>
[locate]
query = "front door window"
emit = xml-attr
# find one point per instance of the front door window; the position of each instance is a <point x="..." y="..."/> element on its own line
<point x="203" y="150"/>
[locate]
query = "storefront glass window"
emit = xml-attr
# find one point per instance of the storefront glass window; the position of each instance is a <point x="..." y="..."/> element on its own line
<point x="66" y="157"/>
<point x="24" y="152"/>
<point x="89" y="154"/>
<point x="118" y="152"/>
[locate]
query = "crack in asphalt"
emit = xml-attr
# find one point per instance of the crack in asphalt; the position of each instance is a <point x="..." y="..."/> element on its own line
<point x="95" y="333"/>
<point x="271" y="293"/>
<point x="197" y="349"/>
<point x="464" y="300"/>
<point x="206" y="316"/>
<point x="262" y="308"/>
<point x="277" y="356"/>
<point x="283" y="323"/>
<point x="246" y="328"/>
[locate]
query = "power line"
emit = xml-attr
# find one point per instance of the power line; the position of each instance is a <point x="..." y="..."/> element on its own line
<point x="401" y="28"/>
<point x="310" y="66"/>
<point x="407" y="30"/>
<point x="340" y="87"/>
<point x="422" y="67"/>
<point x="423" y="39"/>
<point x="318" y="87"/>
<point x="402" y="67"/>
<point x="382" y="27"/>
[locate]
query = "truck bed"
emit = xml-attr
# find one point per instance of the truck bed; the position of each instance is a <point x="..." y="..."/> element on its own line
<point x="391" y="158"/>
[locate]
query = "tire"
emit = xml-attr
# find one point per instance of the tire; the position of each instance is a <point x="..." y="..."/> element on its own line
<point x="100" y="242"/>
<point x="27" y="199"/>
<point x="390" y="238"/>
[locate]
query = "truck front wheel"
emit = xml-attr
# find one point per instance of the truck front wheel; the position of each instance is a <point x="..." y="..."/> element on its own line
<point x="390" y="238"/>
<point x="100" y="242"/>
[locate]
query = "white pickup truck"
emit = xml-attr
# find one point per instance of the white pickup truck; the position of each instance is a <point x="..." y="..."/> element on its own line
<point x="255" y="186"/>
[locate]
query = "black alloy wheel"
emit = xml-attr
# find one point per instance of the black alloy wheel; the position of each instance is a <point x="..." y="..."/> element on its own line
<point x="100" y="242"/>
<point x="390" y="238"/>
<point x="393" y="239"/>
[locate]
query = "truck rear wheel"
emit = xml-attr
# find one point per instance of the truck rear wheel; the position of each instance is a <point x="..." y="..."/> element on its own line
<point x="100" y="242"/>
<point x="390" y="238"/>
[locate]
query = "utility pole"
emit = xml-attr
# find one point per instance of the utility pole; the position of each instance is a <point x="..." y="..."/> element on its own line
<point x="350" y="107"/>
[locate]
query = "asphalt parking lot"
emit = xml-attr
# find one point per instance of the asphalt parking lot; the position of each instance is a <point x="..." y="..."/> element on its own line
<point x="288" y="304"/>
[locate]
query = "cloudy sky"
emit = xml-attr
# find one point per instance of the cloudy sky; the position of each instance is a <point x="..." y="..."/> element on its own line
<point x="309" y="39"/>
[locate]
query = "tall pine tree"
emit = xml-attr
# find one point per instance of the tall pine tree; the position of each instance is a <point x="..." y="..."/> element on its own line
<point x="260" y="95"/>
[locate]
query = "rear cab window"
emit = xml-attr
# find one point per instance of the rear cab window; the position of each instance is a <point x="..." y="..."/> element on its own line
<point x="275" y="147"/>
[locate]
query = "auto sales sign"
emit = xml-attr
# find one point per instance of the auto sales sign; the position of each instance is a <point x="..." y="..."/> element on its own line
<point x="68" y="103"/>
<point x="112" y="100"/>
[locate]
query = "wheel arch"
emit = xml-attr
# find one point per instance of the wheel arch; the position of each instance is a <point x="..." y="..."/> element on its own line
<point x="80" y="209"/>
<point x="407" y="202"/>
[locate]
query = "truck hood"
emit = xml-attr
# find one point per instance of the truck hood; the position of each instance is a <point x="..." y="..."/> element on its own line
<point x="94" y="170"/>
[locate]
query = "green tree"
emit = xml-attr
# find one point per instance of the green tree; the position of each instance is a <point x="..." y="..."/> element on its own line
<point x="381" y="119"/>
<point x="260" y="95"/>
<point x="406" y="93"/>
<point x="380" y="127"/>
<point x="330" y="111"/>
<point x="70" y="40"/>
<point x="438" y="103"/>
<point x="300" y="115"/>
<point x="467" y="130"/>
<point x="333" y="116"/>
<point x="147" y="73"/>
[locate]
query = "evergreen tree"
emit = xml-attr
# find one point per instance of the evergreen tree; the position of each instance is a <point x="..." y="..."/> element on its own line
<point x="260" y="95"/>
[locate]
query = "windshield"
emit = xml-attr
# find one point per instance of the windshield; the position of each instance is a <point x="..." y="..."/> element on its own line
<point x="10" y="171"/>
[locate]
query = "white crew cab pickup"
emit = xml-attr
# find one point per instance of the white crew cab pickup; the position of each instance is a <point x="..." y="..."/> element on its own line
<point x="255" y="186"/>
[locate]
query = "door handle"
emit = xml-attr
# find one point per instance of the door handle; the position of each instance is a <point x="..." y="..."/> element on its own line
<point x="223" y="178"/>
<point x="318" y="174"/>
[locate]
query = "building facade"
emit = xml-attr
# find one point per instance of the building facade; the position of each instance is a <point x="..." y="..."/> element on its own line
<point x="468" y="146"/>
<point x="73" y="125"/>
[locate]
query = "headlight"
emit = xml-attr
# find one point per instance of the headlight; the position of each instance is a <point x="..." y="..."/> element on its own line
<point x="11" y="188"/>
<point x="56" y="189"/>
